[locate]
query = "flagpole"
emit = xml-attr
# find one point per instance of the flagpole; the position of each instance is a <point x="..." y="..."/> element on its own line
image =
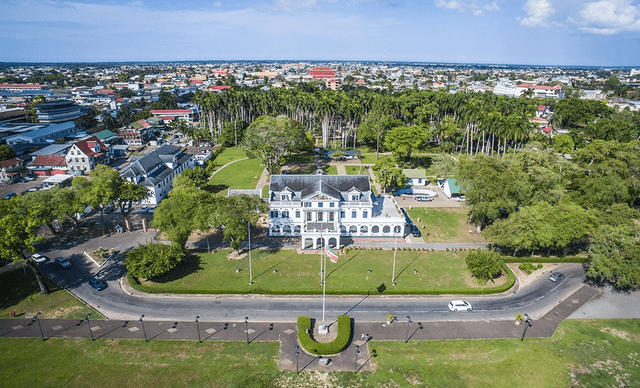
<point x="250" y="273"/>
<point x="395" y="249"/>
<point x="321" y="271"/>
<point x="324" y="288"/>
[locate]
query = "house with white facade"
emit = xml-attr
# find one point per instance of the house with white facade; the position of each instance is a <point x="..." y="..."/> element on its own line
<point x="156" y="170"/>
<point x="323" y="209"/>
<point x="415" y="176"/>
<point x="86" y="154"/>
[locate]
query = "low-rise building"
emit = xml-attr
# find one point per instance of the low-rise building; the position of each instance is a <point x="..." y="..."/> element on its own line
<point x="11" y="170"/>
<point x="45" y="165"/>
<point x="58" y="111"/>
<point x="86" y="154"/>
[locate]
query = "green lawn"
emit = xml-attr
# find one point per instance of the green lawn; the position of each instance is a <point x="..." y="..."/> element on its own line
<point x="438" y="272"/>
<point x="370" y="157"/>
<point x="444" y="224"/>
<point x="229" y="155"/>
<point x="20" y="293"/>
<point x="356" y="170"/>
<point x="331" y="170"/>
<point x="243" y="174"/>
<point x="586" y="353"/>
<point x="134" y="363"/>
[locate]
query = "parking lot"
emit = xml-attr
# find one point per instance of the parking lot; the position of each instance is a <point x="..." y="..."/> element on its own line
<point x="21" y="187"/>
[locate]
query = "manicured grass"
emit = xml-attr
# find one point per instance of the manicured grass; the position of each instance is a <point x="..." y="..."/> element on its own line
<point x="444" y="224"/>
<point x="586" y="353"/>
<point x="331" y="170"/>
<point x="356" y="170"/>
<point x="21" y="294"/>
<point x="300" y="159"/>
<point x="602" y="353"/>
<point x="438" y="272"/>
<point x="370" y="157"/>
<point x="229" y="155"/>
<point x="134" y="363"/>
<point x="243" y="174"/>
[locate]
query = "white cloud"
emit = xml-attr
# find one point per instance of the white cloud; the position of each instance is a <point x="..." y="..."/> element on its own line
<point x="476" y="7"/>
<point x="609" y="17"/>
<point x="539" y="13"/>
<point x="217" y="4"/>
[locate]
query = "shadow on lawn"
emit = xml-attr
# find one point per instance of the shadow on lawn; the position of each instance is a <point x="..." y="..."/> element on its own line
<point x="192" y="264"/>
<point x="15" y="286"/>
<point x="342" y="265"/>
<point x="405" y="268"/>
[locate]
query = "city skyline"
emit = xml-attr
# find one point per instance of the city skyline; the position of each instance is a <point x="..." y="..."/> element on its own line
<point x="533" y="32"/>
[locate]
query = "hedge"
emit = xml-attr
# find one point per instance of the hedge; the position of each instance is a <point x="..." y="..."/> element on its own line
<point x="534" y="259"/>
<point x="324" y="348"/>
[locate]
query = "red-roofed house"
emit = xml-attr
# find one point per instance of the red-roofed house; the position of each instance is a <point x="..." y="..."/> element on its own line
<point x="48" y="165"/>
<point x="185" y="114"/>
<point x="84" y="155"/>
<point x="17" y="87"/>
<point x="333" y="84"/>
<point x="11" y="170"/>
<point x="322" y="72"/>
<point x="219" y="88"/>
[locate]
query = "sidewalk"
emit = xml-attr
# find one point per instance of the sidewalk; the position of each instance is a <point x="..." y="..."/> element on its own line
<point x="286" y="332"/>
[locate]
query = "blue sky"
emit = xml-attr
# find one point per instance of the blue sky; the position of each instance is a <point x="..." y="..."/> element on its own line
<point x="546" y="32"/>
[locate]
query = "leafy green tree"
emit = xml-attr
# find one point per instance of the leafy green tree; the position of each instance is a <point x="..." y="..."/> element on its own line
<point x="128" y="193"/>
<point x="484" y="265"/>
<point x="233" y="133"/>
<point x="271" y="138"/>
<point x="390" y="177"/>
<point x="563" y="143"/>
<point x="234" y="214"/>
<point x="126" y="93"/>
<point x="6" y="153"/>
<point x="403" y="140"/>
<point x="616" y="256"/>
<point x="197" y="175"/>
<point x="153" y="260"/>
<point x="444" y="166"/>
<point x="142" y="115"/>
<point x="20" y="222"/>
<point x="102" y="189"/>
<point x="611" y="83"/>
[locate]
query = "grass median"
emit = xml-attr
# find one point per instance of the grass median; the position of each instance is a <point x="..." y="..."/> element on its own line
<point x="444" y="225"/>
<point x="358" y="272"/>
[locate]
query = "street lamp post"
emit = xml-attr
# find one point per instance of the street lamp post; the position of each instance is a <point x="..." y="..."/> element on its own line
<point x="89" y="325"/>
<point x="143" y="331"/>
<point x="527" y="324"/>
<point x="37" y="318"/>
<point x="246" y="327"/>
<point x="395" y="250"/>
<point x="250" y="273"/>
<point x="297" y="354"/>
<point x="408" y="324"/>
<point x="198" y="328"/>
<point x="355" y="368"/>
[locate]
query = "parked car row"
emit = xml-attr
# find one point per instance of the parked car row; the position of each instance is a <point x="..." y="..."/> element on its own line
<point x="65" y="263"/>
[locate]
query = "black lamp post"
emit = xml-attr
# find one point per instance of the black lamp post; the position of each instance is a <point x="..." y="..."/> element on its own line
<point x="143" y="331"/>
<point x="246" y="327"/>
<point x="37" y="318"/>
<point x="198" y="328"/>
<point x="89" y="325"/>
<point x="527" y="324"/>
<point x="408" y="324"/>
<point x="297" y="354"/>
<point x="355" y="368"/>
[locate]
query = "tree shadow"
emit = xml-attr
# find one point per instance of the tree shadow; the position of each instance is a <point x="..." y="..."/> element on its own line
<point x="15" y="286"/>
<point x="192" y="263"/>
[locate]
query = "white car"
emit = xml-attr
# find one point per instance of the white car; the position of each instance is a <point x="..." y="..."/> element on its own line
<point x="144" y="209"/>
<point x="456" y="305"/>
<point x="461" y="198"/>
<point x="38" y="258"/>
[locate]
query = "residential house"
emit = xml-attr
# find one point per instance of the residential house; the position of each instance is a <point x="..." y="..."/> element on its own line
<point x="138" y="133"/>
<point x="45" y="165"/>
<point x="86" y="154"/>
<point x="451" y="188"/>
<point x="323" y="209"/>
<point x="415" y="176"/>
<point x="189" y="115"/>
<point x="156" y="170"/>
<point x="11" y="170"/>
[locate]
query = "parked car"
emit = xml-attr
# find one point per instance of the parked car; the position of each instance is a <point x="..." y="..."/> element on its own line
<point x="38" y="258"/>
<point x="33" y="189"/>
<point x="424" y="198"/>
<point x="152" y="209"/>
<point x="456" y="305"/>
<point x="555" y="276"/>
<point x="10" y="195"/>
<point x="461" y="198"/>
<point x="62" y="262"/>
<point x="109" y="209"/>
<point x="97" y="284"/>
<point x="144" y="209"/>
<point x="415" y="231"/>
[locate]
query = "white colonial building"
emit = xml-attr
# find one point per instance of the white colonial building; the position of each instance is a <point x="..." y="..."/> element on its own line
<point x="321" y="209"/>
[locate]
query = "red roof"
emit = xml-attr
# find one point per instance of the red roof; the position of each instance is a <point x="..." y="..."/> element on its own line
<point x="22" y="86"/>
<point x="105" y="91"/>
<point x="144" y="123"/>
<point x="546" y="130"/>
<point x="543" y="87"/>
<point x="541" y="107"/>
<point x="219" y="87"/>
<point x="87" y="146"/>
<point x="10" y="163"/>
<point x="169" y="111"/>
<point x="49" y="160"/>
<point x="167" y="118"/>
<point x="195" y="81"/>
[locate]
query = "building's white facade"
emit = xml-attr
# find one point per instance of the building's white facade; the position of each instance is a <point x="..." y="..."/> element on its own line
<point x="322" y="209"/>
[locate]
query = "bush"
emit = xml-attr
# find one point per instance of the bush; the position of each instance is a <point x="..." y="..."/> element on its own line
<point x="324" y="348"/>
<point x="484" y="265"/>
<point x="152" y="260"/>
<point x="527" y="267"/>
